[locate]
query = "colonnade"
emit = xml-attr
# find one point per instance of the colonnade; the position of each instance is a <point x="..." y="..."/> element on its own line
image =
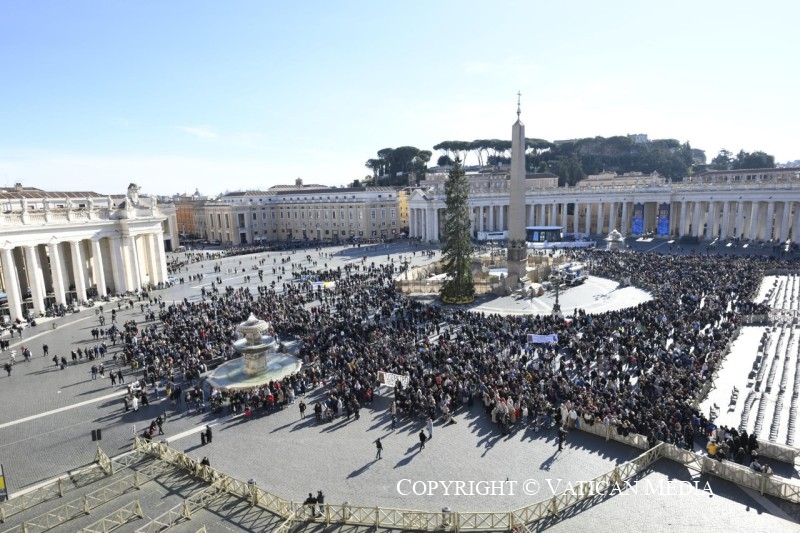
<point x="59" y="272"/>
<point x="704" y="218"/>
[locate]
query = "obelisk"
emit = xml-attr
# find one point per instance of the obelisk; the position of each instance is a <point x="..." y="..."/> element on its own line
<point x="517" y="248"/>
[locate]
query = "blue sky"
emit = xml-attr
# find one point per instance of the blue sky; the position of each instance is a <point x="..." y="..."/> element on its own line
<point x="178" y="95"/>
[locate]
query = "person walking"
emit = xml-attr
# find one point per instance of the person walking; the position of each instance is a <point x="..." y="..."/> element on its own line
<point x="321" y="502"/>
<point x="119" y="376"/>
<point x="302" y="409"/>
<point x="208" y="434"/>
<point x="422" y="439"/>
<point x="378" y="448"/>
<point x="429" y="425"/>
<point x="562" y="437"/>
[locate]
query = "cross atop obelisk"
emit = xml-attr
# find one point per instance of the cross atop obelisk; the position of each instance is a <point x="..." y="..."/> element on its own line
<point x="519" y="111"/>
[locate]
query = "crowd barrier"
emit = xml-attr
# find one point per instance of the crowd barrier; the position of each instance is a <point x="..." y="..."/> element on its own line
<point x="744" y="476"/>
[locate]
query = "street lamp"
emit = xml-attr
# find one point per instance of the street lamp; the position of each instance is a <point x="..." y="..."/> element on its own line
<point x="405" y="265"/>
<point x="556" y="278"/>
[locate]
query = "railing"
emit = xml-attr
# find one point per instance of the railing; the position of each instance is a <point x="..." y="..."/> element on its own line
<point x="767" y="484"/>
<point x="183" y="511"/>
<point x="30" y="499"/>
<point x="417" y="520"/>
<point x="80" y="506"/>
<point x="58" y="487"/>
<point x="120" y="517"/>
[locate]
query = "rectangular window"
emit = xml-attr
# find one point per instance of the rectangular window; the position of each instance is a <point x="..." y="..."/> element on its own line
<point x="383" y="214"/>
<point x="372" y="214"/>
<point x="394" y="215"/>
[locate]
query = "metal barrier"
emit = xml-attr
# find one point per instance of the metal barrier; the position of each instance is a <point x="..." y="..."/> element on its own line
<point x="183" y="511"/>
<point x="59" y="486"/>
<point x="417" y="520"/>
<point x="79" y="507"/>
<point x="741" y="475"/>
<point x="120" y="517"/>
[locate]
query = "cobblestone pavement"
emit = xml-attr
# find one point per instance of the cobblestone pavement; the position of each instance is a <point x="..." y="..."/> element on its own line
<point x="293" y="457"/>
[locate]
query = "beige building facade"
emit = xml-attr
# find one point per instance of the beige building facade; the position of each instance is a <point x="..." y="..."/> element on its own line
<point x="306" y="213"/>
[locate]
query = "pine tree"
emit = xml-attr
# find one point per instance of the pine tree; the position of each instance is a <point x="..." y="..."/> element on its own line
<point x="458" y="287"/>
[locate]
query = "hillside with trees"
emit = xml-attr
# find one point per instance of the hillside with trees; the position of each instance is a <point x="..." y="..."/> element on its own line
<point x="571" y="160"/>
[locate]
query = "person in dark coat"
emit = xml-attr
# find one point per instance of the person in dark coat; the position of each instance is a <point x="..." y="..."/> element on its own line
<point x="208" y="434"/>
<point x="562" y="436"/>
<point x="422" y="438"/>
<point x="321" y="502"/>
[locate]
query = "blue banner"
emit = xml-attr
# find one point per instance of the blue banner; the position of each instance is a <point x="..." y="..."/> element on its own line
<point x="637" y="225"/>
<point x="663" y="219"/>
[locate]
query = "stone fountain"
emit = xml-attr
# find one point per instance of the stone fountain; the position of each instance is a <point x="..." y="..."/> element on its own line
<point x="260" y="360"/>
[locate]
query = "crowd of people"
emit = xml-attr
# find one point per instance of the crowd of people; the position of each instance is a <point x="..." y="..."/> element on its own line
<point x="637" y="369"/>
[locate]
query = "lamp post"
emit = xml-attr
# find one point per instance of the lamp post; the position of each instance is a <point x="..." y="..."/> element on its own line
<point x="556" y="279"/>
<point x="405" y="265"/>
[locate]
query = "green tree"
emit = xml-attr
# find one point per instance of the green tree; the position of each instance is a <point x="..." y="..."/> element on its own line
<point x="722" y="161"/>
<point x="459" y="287"/>
<point x="444" y="161"/>
<point x="753" y="160"/>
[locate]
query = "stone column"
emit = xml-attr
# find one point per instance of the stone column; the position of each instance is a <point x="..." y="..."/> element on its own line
<point x="97" y="267"/>
<point x="711" y="221"/>
<point x="152" y="258"/>
<point x="541" y="217"/>
<point x="531" y="214"/>
<point x="472" y="221"/>
<point x="11" y="284"/>
<point x="787" y="211"/>
<point x="795" y="232"/>
<point x="34" y="278"/>
<point x="682" y="220"/>
<point x="502" y="221"/>
<point x="612" y="217"/>
<point x="588" y="219"/>
<point x="77" y="270"/>
<point x="161" y="257"/>
<point x="480" y="218"/>
<point x="600" y="218"/>
<point x="753" y="220"/>
<point x="59" y="287"/>
<point x="576" y="210"/>
<point x="623" y="225"/>
<point x="134" y="280"/>
<point x="117" y="270"/>
<point x="739" y="231"/>
<point x="769" y="224"/>
<point x="564" y="217"/>
<point x="726" y="210"/>
<point x="696" y="230"/>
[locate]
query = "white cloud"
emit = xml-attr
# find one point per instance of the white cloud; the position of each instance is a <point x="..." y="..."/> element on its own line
<point x="201" y="132"/>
